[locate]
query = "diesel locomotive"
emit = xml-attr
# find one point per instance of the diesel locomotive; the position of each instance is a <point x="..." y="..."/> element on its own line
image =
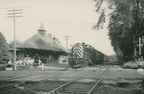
<point x="83" y="55"/>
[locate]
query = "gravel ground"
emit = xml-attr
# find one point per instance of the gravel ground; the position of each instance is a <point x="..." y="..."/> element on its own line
<point x="39" y="81"/>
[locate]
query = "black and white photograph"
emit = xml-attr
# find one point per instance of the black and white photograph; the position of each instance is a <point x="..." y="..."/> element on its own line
<point x="71" y="46"/>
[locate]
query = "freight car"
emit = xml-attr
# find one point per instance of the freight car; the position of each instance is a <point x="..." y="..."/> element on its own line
<point x="85" y="55"/>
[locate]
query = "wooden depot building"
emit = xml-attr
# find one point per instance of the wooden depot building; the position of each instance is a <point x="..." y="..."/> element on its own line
<point x="47" y="47"/>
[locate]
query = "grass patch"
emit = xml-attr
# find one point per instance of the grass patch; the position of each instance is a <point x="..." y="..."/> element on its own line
<point x="2" y="67"/>
<point x="60" y="65"/>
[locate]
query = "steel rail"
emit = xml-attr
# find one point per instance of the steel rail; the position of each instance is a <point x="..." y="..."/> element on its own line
<point x="24" y="76"/>
<point x="29" y="79"/>
<point x="20" y="84"/>
<point x="60" y="87"/>
<point x="103" y="74"/>
<point x="50" y="76"/>
<point x="9" y="88"/>
<point x="10" y="85"/>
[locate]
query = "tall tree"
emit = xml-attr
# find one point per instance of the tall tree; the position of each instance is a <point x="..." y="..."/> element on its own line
<point x="3" y="48"/>
<point x="125" y="24"/>
<point x="12" y="43"/>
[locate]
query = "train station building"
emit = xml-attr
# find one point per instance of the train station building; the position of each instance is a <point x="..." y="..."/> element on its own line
<point x="45" y="45"/>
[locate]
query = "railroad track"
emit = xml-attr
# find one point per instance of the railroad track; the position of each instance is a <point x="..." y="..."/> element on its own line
<point x="73" y="87"/>
<point x="10" y="84"/>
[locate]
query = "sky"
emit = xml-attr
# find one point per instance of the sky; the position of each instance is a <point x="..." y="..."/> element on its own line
<point x="74" y="18"/>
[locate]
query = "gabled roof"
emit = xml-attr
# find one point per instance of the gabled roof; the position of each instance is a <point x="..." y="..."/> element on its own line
<point x="42" y="43"/>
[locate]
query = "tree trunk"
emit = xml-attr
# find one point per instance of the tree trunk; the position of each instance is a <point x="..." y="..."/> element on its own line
<point x="135" y="52"/>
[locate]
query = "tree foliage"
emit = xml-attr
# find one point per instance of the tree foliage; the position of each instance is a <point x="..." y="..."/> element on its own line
<point x="3" y="48"/>
<point x="113" y="58"/>
<point x="126" y="23"/>
<point x="12" y="43"/>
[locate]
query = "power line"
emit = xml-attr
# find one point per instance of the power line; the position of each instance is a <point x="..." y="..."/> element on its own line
<point x="46" y="5"/>
<point x="37" y="0"/>
<point x="26" y="1"/>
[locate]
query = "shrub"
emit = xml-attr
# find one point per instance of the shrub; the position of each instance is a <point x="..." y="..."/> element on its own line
<point x="131" y="65"/>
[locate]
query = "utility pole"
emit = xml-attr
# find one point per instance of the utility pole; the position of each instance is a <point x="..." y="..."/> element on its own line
<point x="67" y="38"/>
<point x="14" y="13"/>
<point x="140" y="47"/>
